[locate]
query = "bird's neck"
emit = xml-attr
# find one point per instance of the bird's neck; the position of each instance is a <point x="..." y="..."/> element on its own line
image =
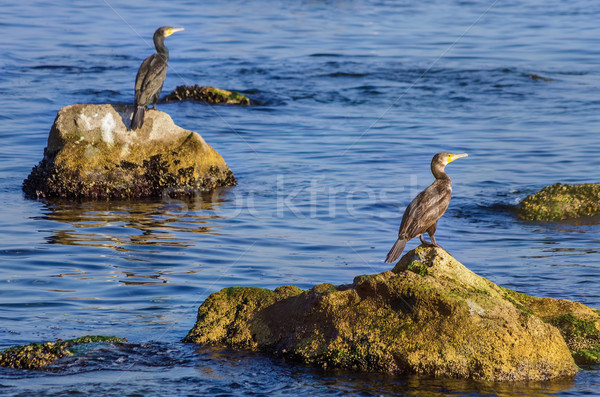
<point x="159" y="43"/>
<point x="439" y="173"/>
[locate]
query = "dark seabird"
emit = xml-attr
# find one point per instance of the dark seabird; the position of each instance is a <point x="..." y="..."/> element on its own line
<point x="427" y="208"/>
<point x="151" y="76"/>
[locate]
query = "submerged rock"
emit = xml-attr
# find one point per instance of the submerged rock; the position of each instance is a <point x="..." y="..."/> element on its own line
<point x="209" y="95"/>
<point x="92" y="154"/>
<point x="538" y="77"/>
<point x="38" y="355"/>
<point x="558" y="202"/>
<point x="429" y="315"/>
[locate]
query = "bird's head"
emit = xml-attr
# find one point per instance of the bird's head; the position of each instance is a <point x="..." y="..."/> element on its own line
<point x="166" y="31"/>
<point x="440" y="160"/>
<point x="445" y="158"/>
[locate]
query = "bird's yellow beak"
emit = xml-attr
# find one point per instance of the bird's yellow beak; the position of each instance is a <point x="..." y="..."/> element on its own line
<point x="453" y="157"/>
<point x="170" y="31"/>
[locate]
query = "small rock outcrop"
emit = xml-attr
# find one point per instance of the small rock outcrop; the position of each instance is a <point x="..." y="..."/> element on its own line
<point x="38" y="355"/>
<point x="92" y="154"/>
<point x="559" y="201"/>
<point x="538" y="77"/>
<point x="578" y="324"/>
<point x="429" y="315"/>
<point x="209" y="95"/>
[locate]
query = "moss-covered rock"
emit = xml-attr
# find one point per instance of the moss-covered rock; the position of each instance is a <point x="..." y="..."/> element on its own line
<point x="209" y="95"/>
<point x="429" y="315"/>
<point x="578" y="323"/>
<point x="91" y="154"/>
<point x="38" y="355"/>
<point x="557" y="202"/>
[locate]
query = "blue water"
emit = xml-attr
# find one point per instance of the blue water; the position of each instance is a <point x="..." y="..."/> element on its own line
<point x="353" y="99"/>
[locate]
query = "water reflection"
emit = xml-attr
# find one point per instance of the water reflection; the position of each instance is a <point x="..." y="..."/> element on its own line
<point x="220" y="363"/>
<point x="119" y="224"/>
<point x="582" y="221"/>
<point x="144" y="243"/>
<point x="443" y="387"/>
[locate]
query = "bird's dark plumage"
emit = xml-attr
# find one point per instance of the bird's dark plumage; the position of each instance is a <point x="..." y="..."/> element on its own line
<point x="151" y="76"/>
<point x="427" y="208"/>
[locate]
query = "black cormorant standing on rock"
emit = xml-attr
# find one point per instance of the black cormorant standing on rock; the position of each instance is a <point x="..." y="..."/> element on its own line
<point x="427" y="208"/>
<point x="151" y="76"/>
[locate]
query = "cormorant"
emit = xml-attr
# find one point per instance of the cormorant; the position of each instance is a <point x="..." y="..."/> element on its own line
<point x="427" y="208"/>
<point x="151" y="76"/>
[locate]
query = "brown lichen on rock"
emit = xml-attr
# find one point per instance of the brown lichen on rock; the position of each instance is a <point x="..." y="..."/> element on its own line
<point x="91" y="154"/>
<point x="38" y="355"/>
<point x="559" y="201"/>
<point x="430" y="315"/>
<point x="209" y="95"/>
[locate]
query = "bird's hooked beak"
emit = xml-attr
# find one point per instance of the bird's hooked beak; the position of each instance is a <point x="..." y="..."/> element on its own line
<point x="453" y="157"/>
<point x="170" y="31"/>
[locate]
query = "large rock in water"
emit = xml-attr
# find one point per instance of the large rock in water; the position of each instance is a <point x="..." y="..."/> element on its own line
<point x="429" y="315"/>
<point x="92" y="154"/>
<point x="560" y="201"/>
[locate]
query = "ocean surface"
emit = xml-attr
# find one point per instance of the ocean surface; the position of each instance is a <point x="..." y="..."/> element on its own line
<point x="352" y="100"/>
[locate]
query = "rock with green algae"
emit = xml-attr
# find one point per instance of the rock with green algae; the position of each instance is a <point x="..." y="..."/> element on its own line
<point x="559" y="201"/>
<point x="38" y="355"/>
<point x="209" y="95"/>
<point x="579" y="324"/>
<point x="91" y="154"/>
<point x="430" y="315"/>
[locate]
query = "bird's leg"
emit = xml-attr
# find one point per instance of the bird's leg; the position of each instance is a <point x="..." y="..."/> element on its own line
<point x="154" y="106"/>
<point x="431" y="232"/>
<point x="426" y="243"/>
<point x="433" y="243"/>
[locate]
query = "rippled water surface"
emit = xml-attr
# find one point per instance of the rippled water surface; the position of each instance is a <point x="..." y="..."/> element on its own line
<point x="352" y="100"/>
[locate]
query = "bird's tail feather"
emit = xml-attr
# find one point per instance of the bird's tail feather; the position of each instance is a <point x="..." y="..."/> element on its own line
<point x="395" y="251"/>
<point x="138" y="117"/>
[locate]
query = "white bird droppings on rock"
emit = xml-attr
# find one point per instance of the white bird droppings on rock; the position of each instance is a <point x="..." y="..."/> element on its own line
<point x="86" y="120"/>
<point x="107" y="127"/>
